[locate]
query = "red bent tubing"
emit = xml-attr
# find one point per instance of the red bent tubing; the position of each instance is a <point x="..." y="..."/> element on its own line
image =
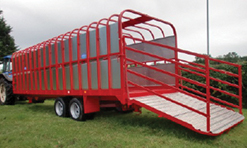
<point x="180" y="50"/>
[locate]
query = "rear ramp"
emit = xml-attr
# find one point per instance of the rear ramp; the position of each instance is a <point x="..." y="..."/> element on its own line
<point x="155" y="65"/>
<point x="221" y="118"/>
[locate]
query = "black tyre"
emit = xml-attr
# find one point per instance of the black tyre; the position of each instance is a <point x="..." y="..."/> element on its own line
<point x="61" y="107"/>
<point x="6" y="93"/>
<point x="76" y="110"/>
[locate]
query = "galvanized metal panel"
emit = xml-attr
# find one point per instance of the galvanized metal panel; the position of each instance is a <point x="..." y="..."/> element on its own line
<point x="25" y="81"/>
<point x="92" y="37"/>
<point x="42" y="80"/>
<point x="115" y="72"/>
<point x="75" y="76"/>
<point x="28" y="60"/>
<point x="41" y="57"/>
<point x="47" y="56"/>
<point x="83" y="46"/>
<point x="156" y="50"/>
<point x="54" y="78"/>
<point x="29" y="76"/>
<point x="74" y="48"/>
<point x="114" y="38"/>
<point x="21" y="77"/>
<point x="37" y="57"/>
<point x="37" y="75"/>
<point x="167" y="79"/>
<point x="67" y="73"/>
<point x="94" y="75"/>
<point x="104" y="74"/>
<point x="59" y="52"/>
<point x="84" y="76"/>
<point x="15" y="84"/>
<point x="32" y="60"/>
<point x="53" y="58"/>
<point x="103" y="41"/>
<point x="48" y="79"/>
<point x="60" y="75"/>
<point x="66" y="50"/>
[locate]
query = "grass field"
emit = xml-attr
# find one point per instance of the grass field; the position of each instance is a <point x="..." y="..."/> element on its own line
<point x="36" y="125"/>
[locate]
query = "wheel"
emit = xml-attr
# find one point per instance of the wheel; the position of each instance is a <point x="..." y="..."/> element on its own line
<point x="76" y="110"/>
<point x="61" y="107"/>
<point x="6" y="93"/>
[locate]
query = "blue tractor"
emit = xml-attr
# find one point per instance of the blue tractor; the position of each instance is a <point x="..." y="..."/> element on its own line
<point x="6" y="91"/>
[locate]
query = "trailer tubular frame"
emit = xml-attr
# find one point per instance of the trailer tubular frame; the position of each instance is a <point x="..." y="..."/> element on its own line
<point x="136" y="28"/>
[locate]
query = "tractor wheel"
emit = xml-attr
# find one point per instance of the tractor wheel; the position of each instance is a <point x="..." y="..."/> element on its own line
<point x="6" y="93"/>
<point x="61" y="107"/>
<point x="76" y="110"/>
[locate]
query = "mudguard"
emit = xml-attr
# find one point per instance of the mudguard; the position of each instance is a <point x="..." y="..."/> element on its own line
<point x="7" y="76"/>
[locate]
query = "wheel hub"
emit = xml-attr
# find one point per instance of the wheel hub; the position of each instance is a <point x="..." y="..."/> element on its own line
<point x="59" y="108"/>
<point x="75" y="110"/>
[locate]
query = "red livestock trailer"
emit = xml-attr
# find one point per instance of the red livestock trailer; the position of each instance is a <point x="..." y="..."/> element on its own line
<point x="129" y="61"/>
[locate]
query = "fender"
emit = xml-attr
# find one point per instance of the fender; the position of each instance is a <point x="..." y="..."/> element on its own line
<point x="7" y="76"/>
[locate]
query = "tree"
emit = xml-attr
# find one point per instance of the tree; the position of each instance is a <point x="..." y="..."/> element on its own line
<point x="7" y="42"/>
<point x="232" y="57"/>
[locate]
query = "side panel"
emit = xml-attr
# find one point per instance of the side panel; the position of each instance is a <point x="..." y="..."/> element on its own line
<point x="52" y="72"/>
<point x="156" y="50"/>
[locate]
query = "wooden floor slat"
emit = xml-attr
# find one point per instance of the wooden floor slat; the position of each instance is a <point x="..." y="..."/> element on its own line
<point x="220" y="120"/>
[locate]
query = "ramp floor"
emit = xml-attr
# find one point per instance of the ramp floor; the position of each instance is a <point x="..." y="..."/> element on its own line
<point x="221" y="118"/>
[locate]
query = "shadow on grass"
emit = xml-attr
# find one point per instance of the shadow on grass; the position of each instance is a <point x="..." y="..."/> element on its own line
<point x="154" y="125"/>
<point x="37" y="107"/>
<point x="42" y="108"/>
<point x="148" y="121"/>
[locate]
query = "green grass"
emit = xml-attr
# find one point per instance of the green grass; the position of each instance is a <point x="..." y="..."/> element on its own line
<point x="36" y="125"/>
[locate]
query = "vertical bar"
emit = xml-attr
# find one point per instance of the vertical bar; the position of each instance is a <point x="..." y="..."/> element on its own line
<point x="31" y="68"/>
<point x="207" y="27"/>
<point x="123" y="74"/>
<point x="19" y="76"/>
<point x="57" y="65"/>
<point x="22" y="69"/>
<point x="35" y="69"/>
<point x="208" y="91"/>
<point x="50" y="63"/>
<point x="88" y="63"/>
<point x="44" y="66"/>
<point x="26" y="69"/>
<point x="97" y="57"/>
<point x="176" y="68"/>
<point x="78" y="59"/>
<point x="39" y="68"/>
<point x="13" y="71"/>
<point x="70" y="63"/>
<point x="63" y="68"/>
<point x="240" y="89"/>
<point x="108" y="35"/>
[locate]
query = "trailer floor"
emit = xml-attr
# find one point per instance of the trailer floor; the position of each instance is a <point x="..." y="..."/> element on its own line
<point x="221" y="118"/>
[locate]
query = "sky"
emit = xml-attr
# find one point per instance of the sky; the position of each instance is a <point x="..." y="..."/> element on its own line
<point x="34" y="21"/>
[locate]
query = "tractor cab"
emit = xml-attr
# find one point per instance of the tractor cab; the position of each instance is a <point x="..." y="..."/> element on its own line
<point x="7" y="67"/>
